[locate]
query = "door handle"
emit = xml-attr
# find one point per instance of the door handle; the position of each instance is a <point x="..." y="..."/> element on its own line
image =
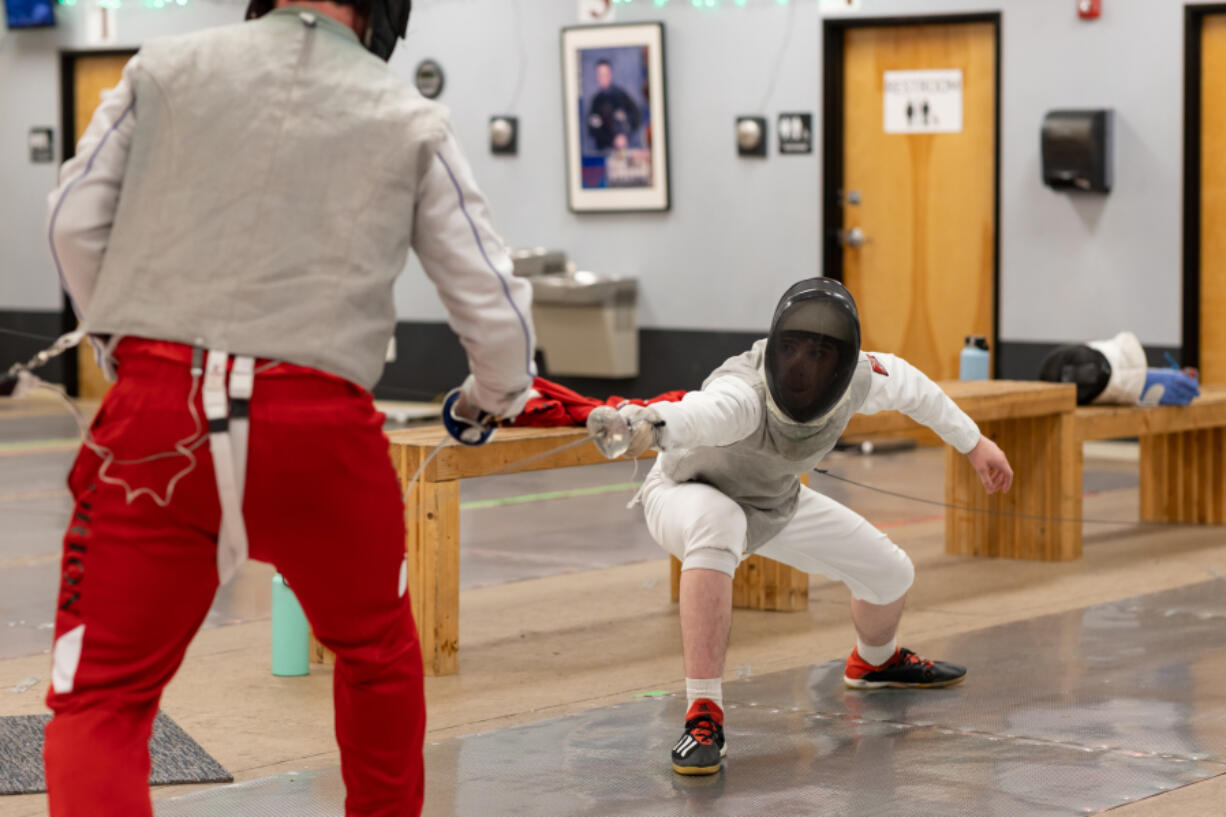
<point x="853" y="238"/>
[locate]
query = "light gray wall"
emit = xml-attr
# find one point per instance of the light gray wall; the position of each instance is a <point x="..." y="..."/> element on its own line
<point x="740" y="230"/>
<point x="30" y="97"/>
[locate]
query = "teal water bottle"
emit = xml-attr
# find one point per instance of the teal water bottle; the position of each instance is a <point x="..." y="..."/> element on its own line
<point x="974" y="363"/>
<point x="291" y="634"/>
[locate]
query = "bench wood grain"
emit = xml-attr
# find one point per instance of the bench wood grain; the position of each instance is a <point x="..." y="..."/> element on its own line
<point x="1183" y="454"/>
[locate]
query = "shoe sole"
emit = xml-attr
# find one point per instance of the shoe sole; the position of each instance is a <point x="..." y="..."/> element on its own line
<point x="697" y="769"/>
<point x="703" y="769"/>
<point x="856" y="683"/>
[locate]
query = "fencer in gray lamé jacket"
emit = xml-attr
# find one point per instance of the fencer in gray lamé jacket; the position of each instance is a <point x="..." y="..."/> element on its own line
<point x="731" y="436"/>
<point x="256" y="188"/>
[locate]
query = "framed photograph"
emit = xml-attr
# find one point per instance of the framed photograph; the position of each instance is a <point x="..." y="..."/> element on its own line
<point x="615" y="116"/>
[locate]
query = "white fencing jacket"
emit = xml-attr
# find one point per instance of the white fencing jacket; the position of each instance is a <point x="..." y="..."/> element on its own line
<point x="256" y="188"/>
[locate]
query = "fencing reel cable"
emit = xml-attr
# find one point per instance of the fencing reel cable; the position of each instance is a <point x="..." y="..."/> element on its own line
<point x="1009" y="514"/>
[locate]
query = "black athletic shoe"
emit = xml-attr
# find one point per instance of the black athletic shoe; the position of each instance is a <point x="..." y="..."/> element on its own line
<point x="701" y="748"/>
<point x="905" y="670"/>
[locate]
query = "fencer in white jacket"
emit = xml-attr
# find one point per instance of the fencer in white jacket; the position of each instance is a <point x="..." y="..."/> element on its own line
<point x="726" y="485"/>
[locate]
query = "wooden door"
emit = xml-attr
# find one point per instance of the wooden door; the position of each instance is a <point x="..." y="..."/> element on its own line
<point x="91" y="75"/>
<point x="925" y="276"/>
<point x="1213" y="200"/>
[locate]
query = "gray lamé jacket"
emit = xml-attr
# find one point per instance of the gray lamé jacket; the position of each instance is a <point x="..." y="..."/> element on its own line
<point x="256" y="188"/>
<point x="730" y="436"/>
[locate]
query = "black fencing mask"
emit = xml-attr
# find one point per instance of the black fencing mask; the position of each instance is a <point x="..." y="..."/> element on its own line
<point x="1083" y="365"/>
<point x="813" y="349"/>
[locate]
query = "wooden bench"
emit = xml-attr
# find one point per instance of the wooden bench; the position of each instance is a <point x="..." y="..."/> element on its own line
<point x="1033" y="423"/>
<point x="1030" y="412"/>
<point x="1183" y="454"/>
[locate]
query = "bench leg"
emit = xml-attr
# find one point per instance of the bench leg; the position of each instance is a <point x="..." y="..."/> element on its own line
<point x="1022" y="524"/>
<point x="759" y="584"/>
<point x="1183" y="477"/>
<point x="432" y="544"/>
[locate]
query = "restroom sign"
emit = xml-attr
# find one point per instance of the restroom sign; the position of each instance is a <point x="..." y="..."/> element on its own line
<point x="923" y="101"/>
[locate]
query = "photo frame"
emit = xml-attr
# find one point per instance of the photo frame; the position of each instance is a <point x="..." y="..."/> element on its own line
<point x="615" y="118"/>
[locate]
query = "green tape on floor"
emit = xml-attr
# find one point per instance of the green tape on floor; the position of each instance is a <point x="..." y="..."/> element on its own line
<point x="517" y="500"/>
<point x="32" y="445"/>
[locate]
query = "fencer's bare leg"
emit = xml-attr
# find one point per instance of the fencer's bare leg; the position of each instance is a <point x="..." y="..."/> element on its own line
<point x="876" y="624"/>
<point x="706" y="618"/>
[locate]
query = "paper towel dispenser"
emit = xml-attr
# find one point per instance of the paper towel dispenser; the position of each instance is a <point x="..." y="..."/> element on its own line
<point x="1076" y="150"/>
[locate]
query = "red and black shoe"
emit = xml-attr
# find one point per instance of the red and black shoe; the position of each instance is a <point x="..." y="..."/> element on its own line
<point x="701" y="749"/>
<point x="904" y="670"/>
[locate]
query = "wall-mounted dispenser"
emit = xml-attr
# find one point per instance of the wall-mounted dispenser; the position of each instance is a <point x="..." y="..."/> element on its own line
<point x="1076" y="150"/>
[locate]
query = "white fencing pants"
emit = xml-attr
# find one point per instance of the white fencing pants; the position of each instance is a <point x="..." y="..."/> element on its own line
<point x="703" y="528"/>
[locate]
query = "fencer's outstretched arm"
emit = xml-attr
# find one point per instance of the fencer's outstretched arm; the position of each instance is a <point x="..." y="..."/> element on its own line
<point x="905" y="388"/>
<point x="727" y="410"/>
<point x="82" y="208"/>
<point x="488" y="307"/>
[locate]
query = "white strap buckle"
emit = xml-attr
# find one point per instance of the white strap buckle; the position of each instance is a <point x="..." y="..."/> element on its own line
<point x="216" y="407"/>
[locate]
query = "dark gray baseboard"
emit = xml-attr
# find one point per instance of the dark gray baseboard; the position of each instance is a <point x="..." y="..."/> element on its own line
<point x="430" y="361"/>
<point x="1020" y="360"/>
<point x="24" y="333"/>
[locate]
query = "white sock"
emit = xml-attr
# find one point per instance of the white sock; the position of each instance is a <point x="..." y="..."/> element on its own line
<point x="710" y="688"/>
<point x="877" y="655"/>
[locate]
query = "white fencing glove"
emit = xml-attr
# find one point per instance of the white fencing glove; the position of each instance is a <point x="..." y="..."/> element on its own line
<point x="645" y="426"/>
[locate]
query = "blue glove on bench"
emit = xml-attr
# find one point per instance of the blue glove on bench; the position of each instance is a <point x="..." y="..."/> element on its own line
<point x="1168" y="387"/>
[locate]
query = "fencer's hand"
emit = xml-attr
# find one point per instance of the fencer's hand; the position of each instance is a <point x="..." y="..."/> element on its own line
<point x="645" y="424"/>
<point x="992" y="466"/>
<point x="464" y="408"/>
<point x="464" y="419"/>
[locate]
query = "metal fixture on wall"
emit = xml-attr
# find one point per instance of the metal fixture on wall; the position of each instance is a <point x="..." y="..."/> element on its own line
<point x="42" y="145"/>
<point x="504" y="135"/>
<point x="428" y="77"/>
<point x="751" y="135"/>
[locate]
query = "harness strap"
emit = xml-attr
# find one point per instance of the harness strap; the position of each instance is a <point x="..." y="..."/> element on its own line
<point x="228" y="431"/>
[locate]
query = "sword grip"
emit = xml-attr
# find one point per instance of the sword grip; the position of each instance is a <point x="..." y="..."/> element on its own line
<point x="465" y="430"/>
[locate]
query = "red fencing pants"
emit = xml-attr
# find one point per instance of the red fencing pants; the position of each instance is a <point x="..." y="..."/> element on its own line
<point x="322" y="504"/>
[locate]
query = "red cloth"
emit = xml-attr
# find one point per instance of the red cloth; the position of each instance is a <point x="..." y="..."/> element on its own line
<point x="559" y="406"/>
<point x="323" y="505"/>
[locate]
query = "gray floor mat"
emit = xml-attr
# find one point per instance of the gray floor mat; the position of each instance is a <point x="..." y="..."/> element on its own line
<point x="176" y="757"/>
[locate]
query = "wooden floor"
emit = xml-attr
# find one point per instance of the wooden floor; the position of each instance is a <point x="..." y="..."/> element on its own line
<point x="553" y="638"/>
